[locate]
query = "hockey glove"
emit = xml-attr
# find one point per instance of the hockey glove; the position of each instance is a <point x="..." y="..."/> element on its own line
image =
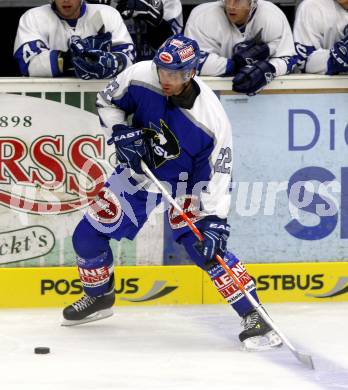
<point x="131" y="147"/>
<point x="252" y="78"/>
<point x="338" y="60"/>
<point x="151" y="11"/>
<point x="215" y="232"/>
<point x="98" y="64"/>
<point x="249" y="52"/>
<point x="80" y="46"/>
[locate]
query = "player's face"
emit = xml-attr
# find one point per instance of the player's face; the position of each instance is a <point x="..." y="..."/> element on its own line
<point x="173" y="82"/>
<point x="68" y="9"/>
<point x="237" y="11"/>
<point x="343" y="3"/>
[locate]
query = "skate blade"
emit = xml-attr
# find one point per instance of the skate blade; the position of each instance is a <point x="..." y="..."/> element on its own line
<point x="93" y="317"/>
<point x="262" y="343"/>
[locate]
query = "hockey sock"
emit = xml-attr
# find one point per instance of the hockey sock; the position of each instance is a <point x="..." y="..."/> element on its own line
<point x="226" y="287"/>
<point x="222" y="281"/>
<point x="97" y="274"/>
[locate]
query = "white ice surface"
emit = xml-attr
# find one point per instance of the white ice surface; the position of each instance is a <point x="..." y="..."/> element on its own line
<point x="172" y="347"/>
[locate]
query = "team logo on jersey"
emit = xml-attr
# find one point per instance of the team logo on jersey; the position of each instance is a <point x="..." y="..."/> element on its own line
<point x="106" y="208"/>
<point x="166" y="57"/>
<point x="187" y="53"/>
<point x="163" y="142"/>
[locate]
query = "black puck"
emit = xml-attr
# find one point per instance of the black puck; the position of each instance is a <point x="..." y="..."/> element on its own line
<point x="42" y="350"/>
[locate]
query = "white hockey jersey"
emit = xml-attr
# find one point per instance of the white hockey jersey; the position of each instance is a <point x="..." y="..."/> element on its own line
<point x="206" y="162"/>
<point x="42" y="34"/>
<point x="318" y="25"/>
<point x="216" y="36"/>
<point x="210" y="27"/>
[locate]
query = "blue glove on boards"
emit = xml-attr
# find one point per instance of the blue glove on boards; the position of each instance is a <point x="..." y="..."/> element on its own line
<point x="252" y="78"/>
<point x="79" y="47"/>
<point x="98" y="64"/>
<point x="249" y="52"/>
<point x="338" y="60"/>
<point x="92" y="57"/>
<point x="215" y="232"/>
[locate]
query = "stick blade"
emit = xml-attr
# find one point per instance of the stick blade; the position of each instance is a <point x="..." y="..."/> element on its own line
<point x="305" y="359"/>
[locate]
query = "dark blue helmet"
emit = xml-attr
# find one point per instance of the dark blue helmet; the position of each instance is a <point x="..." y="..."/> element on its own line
<point x="178" y="53"/>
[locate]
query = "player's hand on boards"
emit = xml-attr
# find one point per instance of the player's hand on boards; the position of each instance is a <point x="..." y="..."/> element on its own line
<point x="215" y="232"/>
<point x="98" y="64"/>
<point x="249" y="52"/>
<point x="338" y="61"/>
<point x="79" y="46"/>
<point x="149" y="10"/>
<point x="252" y="78"/>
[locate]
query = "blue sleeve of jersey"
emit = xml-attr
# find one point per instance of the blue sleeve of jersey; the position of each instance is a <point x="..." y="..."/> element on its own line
<point x="54" y="54"/>
<point x="291" y="62"/>
<point x="303" y="52"/>
<point x="26" y="52"/>
<point x="127" y="103"/>
<point x="230" y="71"/>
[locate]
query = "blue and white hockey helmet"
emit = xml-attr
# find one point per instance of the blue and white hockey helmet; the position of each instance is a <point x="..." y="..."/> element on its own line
<point x="178" y="53"/>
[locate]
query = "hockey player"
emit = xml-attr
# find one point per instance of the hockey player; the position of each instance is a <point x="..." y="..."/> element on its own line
<point x="248" y="39"/>
<point x="150" y="22"/>
<point x="181" y="130"/>
<point x="321" y="36"/>
<point x="72" y="38"/>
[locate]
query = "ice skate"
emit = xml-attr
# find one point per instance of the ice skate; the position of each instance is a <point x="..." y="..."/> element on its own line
<point x="257" y="334"/>
<point x="88" y="309"/>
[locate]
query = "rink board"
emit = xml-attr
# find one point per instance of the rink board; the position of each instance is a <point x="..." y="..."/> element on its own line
<point x="152" y="285"/>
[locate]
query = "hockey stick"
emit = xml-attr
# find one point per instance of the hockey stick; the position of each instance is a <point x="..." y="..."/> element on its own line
<point x="302" y="357"/>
